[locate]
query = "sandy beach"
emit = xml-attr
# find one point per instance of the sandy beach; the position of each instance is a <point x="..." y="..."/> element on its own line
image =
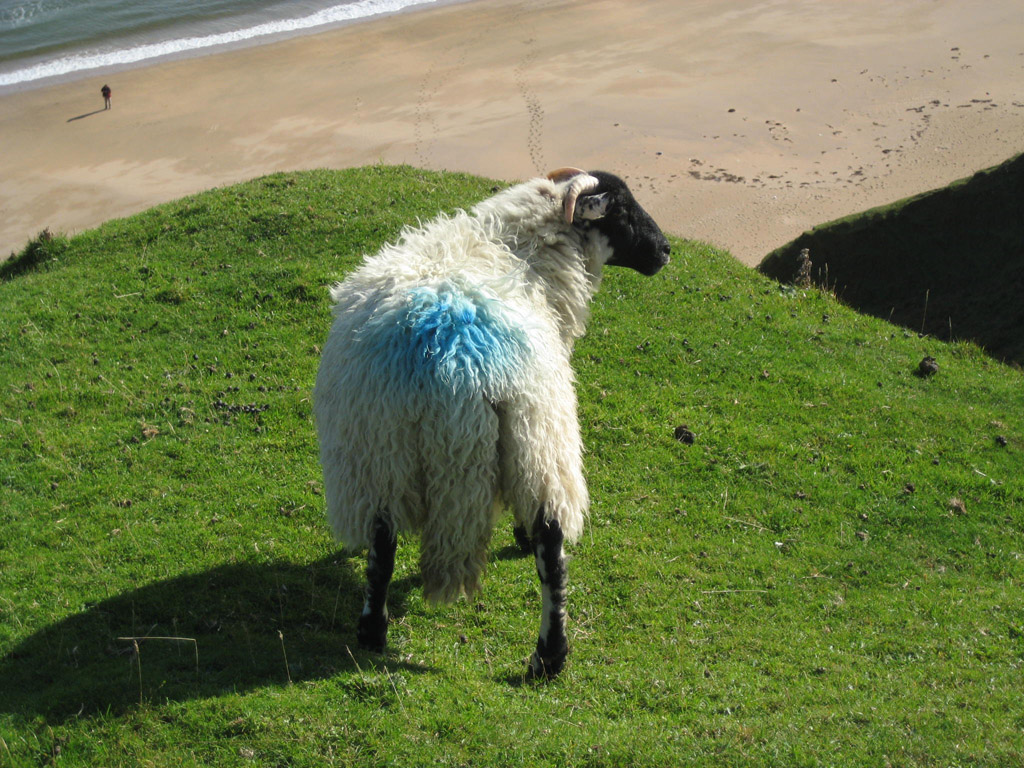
<point x="736" y="122"/>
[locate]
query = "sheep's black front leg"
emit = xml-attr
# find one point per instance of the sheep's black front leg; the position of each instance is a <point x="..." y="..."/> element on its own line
<point x="522" y="537"/>
<point x="372" y="632"/>
<point x="552" y="646"/>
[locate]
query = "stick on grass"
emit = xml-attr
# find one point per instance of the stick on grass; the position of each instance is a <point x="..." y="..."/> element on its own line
<point x="287" y="670"/>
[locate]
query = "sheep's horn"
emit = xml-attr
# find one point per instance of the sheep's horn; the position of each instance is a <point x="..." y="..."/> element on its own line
<point x="564" y="174"/>
<point x="579" y="182"/>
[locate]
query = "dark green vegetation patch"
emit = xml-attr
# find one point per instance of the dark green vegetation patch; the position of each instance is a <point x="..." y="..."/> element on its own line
<point x="949" y="262"/>
<point x="800" y="552"/>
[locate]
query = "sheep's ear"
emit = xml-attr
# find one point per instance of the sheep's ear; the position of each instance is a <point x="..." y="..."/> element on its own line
<point x="579" y="185"/>
<point x="592" y="207"/>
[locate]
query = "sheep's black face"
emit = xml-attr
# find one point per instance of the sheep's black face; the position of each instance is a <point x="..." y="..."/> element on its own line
<point x="636" y="241"/>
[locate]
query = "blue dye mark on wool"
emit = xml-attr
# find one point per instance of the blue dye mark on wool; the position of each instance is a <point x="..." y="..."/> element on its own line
<point x="452" y="339"/>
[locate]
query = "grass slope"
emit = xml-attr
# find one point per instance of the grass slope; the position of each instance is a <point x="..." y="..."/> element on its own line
<point x="949" y="262"/>
<point x="829" y="574"/>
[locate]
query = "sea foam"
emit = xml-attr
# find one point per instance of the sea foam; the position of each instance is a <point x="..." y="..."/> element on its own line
<point x="86" y="60"/>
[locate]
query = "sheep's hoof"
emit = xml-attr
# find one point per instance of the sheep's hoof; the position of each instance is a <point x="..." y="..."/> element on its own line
<point x="544" y="665"/>
<point x="523" y="539"/>
<point x="372" y="633"/>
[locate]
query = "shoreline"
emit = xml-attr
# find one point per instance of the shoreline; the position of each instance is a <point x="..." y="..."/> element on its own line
<point x="740" y="123"/>
<point x="196" y="51"/>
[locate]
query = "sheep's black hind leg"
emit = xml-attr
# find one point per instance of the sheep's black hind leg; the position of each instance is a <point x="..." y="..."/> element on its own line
<point x="552" y="646"/>
<point x="372" y="632"/>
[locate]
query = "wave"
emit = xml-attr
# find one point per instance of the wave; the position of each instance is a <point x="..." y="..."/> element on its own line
<point x="93" y="60"/>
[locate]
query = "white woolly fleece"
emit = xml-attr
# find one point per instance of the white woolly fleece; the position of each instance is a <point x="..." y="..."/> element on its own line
<point x="445" y="390"/>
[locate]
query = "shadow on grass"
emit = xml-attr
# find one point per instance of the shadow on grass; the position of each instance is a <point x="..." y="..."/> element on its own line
<point x="510" y="552"/>
<point x="949" y="263"/>
<point x="46" y="247"/>
<point x="227" y="629"/>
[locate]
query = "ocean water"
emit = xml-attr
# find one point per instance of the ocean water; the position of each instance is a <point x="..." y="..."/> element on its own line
<point x="45" y="39"/>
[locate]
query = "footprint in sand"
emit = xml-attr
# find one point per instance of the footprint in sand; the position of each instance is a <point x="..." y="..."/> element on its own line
<point x="425" y="125"/>
<point x="534" y="109"/>
<point x="421" y="116"/>
<point x="778" y="131"/>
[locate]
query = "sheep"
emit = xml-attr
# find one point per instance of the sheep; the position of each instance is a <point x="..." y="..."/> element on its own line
<point x="445" y="390"/>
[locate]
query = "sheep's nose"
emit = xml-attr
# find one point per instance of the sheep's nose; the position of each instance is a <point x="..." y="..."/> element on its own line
<point x="664" y="249"/>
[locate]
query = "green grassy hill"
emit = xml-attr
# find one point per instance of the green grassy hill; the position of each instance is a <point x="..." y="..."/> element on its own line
<point x="830" y="574"/>
<point x="949" y="262"/>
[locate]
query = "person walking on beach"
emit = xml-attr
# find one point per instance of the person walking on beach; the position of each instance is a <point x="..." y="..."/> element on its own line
<point x="105" y="90"/>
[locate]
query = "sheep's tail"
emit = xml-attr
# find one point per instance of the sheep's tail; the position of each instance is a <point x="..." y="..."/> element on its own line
<point x="461" y="481"/>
